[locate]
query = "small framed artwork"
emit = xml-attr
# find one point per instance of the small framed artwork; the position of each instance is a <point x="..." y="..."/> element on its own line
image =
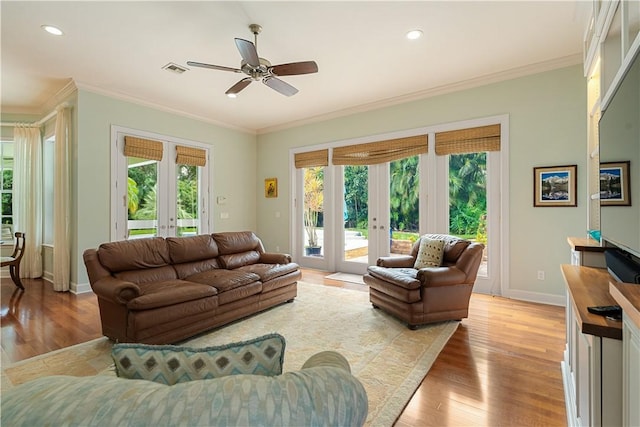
<point x="614" y="184"/>
<point x="555" y="186"/>
<point x="271" y="187"/>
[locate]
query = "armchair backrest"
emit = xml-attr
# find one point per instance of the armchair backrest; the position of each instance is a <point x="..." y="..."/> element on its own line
<point x="453" y="247"/>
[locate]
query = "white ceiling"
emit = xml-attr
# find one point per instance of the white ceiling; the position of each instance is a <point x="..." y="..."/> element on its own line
<point x="364" y="60"/>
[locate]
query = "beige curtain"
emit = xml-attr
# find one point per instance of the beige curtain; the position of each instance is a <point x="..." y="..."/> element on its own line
<point x="27" y="196"/>
<point x="61" y="202"/>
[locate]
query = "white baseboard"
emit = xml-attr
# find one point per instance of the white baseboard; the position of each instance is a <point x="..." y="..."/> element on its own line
<point x="560" y="300"/>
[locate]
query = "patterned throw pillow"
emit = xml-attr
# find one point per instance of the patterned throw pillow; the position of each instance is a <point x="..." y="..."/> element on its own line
<point x="168" y="364"/>
<point x="430" y="253"/>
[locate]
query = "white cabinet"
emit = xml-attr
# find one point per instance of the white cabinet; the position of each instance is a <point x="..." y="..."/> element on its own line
<point x="630" y="373"/>
<point x="628" y="296"/>
<point x="592" y="365"/>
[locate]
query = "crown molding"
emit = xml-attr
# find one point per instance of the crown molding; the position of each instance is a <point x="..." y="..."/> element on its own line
<point x="513" y="73"/>
<point x="128" y="98"/>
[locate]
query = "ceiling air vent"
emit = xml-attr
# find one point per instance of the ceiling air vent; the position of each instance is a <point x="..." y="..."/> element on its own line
<point x="175" y="68"/>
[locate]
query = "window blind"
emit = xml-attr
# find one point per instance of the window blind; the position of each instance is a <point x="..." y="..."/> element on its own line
<point x="142" y="148"/>
<point x="471" y="140"/>
<point x="190" y="156"/>
<point x="311" y="159"/>
<point x="380" y="152"/>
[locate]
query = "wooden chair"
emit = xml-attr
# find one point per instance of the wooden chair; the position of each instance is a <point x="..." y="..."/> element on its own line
<point x="13" y="261"/>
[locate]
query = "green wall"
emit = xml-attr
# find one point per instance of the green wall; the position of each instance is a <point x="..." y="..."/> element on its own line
<point x="233" y="171"/>
<point x="547" y="127"/>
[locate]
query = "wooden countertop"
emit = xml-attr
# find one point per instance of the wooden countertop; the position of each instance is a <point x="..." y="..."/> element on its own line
<point x="588" y="287"/>
<point x="585" y="244"/>
<point x="627" y="295"/>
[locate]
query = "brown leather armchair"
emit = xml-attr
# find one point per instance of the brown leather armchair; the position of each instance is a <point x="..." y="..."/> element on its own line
<point x="431" y="294"/>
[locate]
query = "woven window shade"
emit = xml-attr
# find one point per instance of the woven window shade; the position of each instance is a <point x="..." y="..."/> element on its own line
<point x="190" y="156"/>
<point x="380" y="152"/>
<point x="472" y="140"/>
<point x="312" y="159"/>
<point x="142" y="148"/>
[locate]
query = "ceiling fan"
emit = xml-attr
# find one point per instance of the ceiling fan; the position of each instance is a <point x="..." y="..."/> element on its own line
<point x="257" y="68"/>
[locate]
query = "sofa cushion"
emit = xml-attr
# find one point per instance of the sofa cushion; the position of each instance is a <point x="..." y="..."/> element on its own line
<point x="224" y="280"/>
<point x="192" y="248"/>
<point x="240" y="259"/>
<point x="271" y="271"/>
<point x="168" y="364"/>
<point x="134" y="254"/>
<point x="170" y="292"/>
<point x="190" y="268"/>
<point x="430" y="253"/>
<point x="148" y="275"/>
<point x="404" y="277"/>
<point x="240" y="241"/>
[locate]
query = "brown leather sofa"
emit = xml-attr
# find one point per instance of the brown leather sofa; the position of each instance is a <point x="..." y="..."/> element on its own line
<point x="426" y="295"/>
<point x="164" y="290"/>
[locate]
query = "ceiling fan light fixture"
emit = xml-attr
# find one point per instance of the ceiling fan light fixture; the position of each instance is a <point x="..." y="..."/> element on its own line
<point x="414" y="34"/>
<point x="51" y="29"/>
<point x="232" y="95"/>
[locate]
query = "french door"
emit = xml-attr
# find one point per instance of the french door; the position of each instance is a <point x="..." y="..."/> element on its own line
<point x="160" y="186"/>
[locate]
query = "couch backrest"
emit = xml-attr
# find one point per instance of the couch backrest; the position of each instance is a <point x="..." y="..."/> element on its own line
<point x="453" y="247"/>
<point x="157" y="258"/>
<point x="238" y="248"/>
<point x="137" y="260"/>
<point x="193" y="254"/>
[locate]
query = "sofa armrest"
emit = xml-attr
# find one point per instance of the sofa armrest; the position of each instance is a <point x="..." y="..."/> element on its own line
<point x="274" y="258"/>
<point x="116" y="290"/>
<point x="404" y="261"/>
<point x="441" y="276"/>
<point x="331" y="359"/>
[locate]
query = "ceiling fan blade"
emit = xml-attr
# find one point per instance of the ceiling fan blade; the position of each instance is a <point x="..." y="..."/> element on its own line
<point x="294" y="68"/>
<point x="239" y="86"/>
<point x="280" y="86"/>
<point x="248" y="52"/>
<point x="213" y="67"/>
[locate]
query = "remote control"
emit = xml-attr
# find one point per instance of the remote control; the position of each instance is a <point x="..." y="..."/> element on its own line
<point x="605" y="310"/>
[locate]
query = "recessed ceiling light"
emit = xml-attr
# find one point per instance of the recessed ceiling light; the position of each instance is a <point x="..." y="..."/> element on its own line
<point x="52" y="30"/>
<point x="414" y="34"/>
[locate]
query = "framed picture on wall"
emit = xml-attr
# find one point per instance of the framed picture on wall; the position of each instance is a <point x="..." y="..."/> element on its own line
<point x="555" y="186"/>
<point x="271" y="187"/>
<point x="614" y="184"/>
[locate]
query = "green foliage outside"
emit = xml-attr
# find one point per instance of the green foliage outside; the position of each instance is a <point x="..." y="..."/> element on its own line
<point x="467" y="195"/>
<point x="142" y="194"/>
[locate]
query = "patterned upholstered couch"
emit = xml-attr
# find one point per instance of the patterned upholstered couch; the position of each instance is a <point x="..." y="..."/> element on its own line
<point x="323" y="392"/>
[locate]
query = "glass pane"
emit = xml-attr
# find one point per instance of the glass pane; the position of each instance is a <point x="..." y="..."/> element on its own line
<point x="142" y="198"/>
<point x="187" y="203"/>
<point x="313" y="207"/>
<point x="356" y="214"/>
<point x="404" y="210"/>
<point x="468" y="199"/>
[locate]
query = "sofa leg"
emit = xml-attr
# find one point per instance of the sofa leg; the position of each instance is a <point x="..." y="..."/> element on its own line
<point x="289" y="300"/>
<point x="412" y="327"/>
<point x="375" y="306"/>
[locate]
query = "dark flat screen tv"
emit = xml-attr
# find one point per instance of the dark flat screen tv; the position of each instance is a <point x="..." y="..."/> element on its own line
<point x="619" y="139"/>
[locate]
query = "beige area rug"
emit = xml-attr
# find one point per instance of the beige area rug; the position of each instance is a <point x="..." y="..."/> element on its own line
<point x="388" y="358"/>
<point x="347" y="277"/>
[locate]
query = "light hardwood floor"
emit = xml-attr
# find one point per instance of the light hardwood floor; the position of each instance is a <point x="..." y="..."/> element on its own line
<point x="500" y="368"/>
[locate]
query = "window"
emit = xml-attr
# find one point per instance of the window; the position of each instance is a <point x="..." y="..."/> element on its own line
<point x="6" y="189"/>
